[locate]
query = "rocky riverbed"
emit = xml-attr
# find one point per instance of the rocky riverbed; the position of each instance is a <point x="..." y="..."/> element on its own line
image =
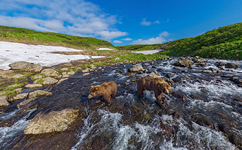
<point x="204" y="109"/>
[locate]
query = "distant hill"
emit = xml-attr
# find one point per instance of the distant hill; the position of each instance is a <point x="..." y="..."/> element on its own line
<point x="27" y="36"/>
<point x="224" y="42"/>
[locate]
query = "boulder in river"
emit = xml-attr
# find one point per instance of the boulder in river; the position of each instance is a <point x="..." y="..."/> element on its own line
<point x="55" y="121"/>
<point x="183" y="62"/>
<point x="26" y="66"/>
<point x="19" y="97"/>
<point x="50" y="73"/>
<point x="4" y="101"/>
<point x="136" y="68"/>
<point x="231" y="65"/>
<point x="39" y="93"/>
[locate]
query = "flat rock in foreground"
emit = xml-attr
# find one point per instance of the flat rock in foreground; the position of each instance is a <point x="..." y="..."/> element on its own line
<point x="55" y="121"/>
<point x="3" y="101"/>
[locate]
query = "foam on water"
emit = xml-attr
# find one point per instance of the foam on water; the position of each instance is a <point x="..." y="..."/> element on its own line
<point x="8" y="134"/>
<point x="6" y="116"/>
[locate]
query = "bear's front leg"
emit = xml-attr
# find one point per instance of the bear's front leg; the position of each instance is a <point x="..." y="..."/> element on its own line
<point x="99" y="99"/>
<point x="160" y="101"/>
<point x="108" y="99"/>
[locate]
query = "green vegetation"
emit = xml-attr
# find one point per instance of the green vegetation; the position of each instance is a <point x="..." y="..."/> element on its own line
<point x="48" y="38"/>
<point x="224" y="42"/>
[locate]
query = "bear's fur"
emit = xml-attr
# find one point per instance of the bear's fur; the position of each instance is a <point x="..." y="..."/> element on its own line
<point x="105" y="91"/>
<point x="157" y="85"/>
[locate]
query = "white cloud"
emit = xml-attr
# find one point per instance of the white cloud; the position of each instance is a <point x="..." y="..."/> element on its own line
<point x="76" y="17"/>
<point x="157" y="40"/>
<point x="157" y="22"/>
<point x="117" y="41"/>
<point x="127" y="39"/>
<point x="145" y="23"/>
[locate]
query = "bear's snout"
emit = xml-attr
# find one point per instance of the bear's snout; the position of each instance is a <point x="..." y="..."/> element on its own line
<point x="90" y="96"/>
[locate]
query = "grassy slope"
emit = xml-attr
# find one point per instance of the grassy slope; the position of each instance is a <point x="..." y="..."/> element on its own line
<point x="224" y="42"/>
<point x="48" y="38"/>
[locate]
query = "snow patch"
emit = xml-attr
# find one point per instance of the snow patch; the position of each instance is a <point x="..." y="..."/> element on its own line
<point x="148" y="52"/>
<point x="38" y="54"/>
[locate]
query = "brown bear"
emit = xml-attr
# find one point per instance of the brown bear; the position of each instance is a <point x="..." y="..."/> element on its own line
<point x="105" y="91"/>
<point x="157" y="85"/>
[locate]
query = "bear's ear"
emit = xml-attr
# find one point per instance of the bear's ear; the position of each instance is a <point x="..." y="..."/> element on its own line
<point x="91" y="86"/>
<point x="96" y="88"/>
<point x="169" y="83"/>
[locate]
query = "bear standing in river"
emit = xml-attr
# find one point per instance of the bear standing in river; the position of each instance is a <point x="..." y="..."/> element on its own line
<point x="105" y="91"/>
<point x="157" y="85"/>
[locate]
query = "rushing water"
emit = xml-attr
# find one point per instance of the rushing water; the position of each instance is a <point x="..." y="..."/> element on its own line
<point x="202" y="112"/>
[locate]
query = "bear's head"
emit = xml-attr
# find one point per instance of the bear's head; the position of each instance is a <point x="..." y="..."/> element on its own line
<point x="166" y="87"/>
<point x="94" y="91"/>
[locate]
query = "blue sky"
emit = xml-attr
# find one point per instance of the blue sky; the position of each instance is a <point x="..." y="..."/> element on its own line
<point x="122" y="22"/>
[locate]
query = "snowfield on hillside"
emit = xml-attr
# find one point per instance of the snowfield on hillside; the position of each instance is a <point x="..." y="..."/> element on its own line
<point x="39" y="54"/>
<point x="148" y="52"/>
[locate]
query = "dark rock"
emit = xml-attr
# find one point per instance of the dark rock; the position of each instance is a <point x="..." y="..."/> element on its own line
<point x="180" y="95"/>
<point x="170" y="75"/>
<point x="221" y="63"/>
<point x="231" y="65"/>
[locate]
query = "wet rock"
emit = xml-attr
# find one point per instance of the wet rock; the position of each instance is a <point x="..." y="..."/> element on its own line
<point x="199" y="60"/>
<point x="18" y="90"/>
<point x="185" y="71"/>
<point x="26" y="66"/>
<point x="207" y="71"/>
<point x="231" y="65"/>
<point x="49" y="81"/>
<point x="86" y="74"/>
<point x="221" y="64"/>
<point x="201" y="64"/>
<point x="22" y="104"/>
<point x="133" y="80"/>
<point x="177" y="79"/>
<point x="170" y="75"/>
<point x="136" y="68"/>
<point x="50" y="73"/>
<point x="227" y="75"/>
<point x="39" y="93"/>
<point x="18" y="76"/>
<point x="62" y="80"/>
<point x="202" y="120"/>
<point x="180" y="95"/>
<point x="14" y="86"/>
<point x="55" y="121"/>
<point x="65" y="75"/>
<point x="38" y="76"/>
<point x="126" y="83"/>
<point x="183" y="62"/>
<point x="19" y="97"/>
<point x="154" y="74"/>
<point x="32" y="86"/>
<point x="86" y="70"/>
<point x="4" y="101"/>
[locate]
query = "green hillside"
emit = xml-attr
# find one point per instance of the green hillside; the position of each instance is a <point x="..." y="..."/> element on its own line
<point x="224" y="42"/>
<point x="49" y="38"/>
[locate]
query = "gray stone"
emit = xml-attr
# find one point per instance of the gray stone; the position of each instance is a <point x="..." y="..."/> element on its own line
<point x="20" y="105"/>
<point x="61" y="80"/>
<point x="231" y="65"/>
<point x="26" y="66"/>
<point x="18" y="90"/>
<point x="55" y="121"/>
<point x="136" y="68"/>
<point x="39" y="93"/>
<point x="32" y="86"/>
<point x="14" y="86"/>
<point x="65" y="75"/>
<point x="4" y="101"/>
<point x="18" y="76"/>
<point x="86" y="74"/>
<point x="49" y="81"/>
<point x="207" y="71"/>
<point x="50" y="73"/>
<point x="183" y="62"/>
<point x="19" y="97"/>
<point x="85" y="70"/>
<point x="38" y="76"/>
